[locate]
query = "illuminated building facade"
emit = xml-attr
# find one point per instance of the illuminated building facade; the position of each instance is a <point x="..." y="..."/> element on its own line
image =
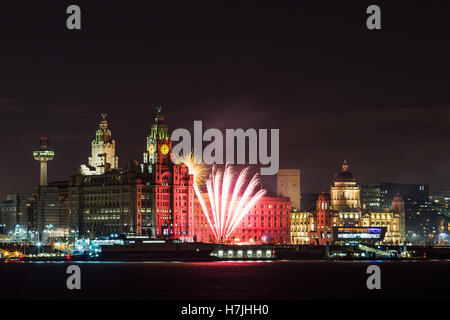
<point x="172" y="185"/>
<point x="154" y="198"/>
<point x="347" y="211"/>
<point x="425" y="214"/>
<point x="343" y="209"/>
<point x="288" y="185"/>
<point x="103" y="151"/>
<point x="268" y="222"/>
<point x="345" y="191"/>
<point x="301" y="225"/>
<point x="101" y="205"/>
<point x="322" y="230"/>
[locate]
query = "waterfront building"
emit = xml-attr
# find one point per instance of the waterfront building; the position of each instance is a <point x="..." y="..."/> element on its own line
<point x="52" y="210"/>
<point x="379" y="196"/>
<point x="347" y="210"/>
<point x="322" y="228"/>
<point x="425" y="214"/>
<point x="101" y="205"/>
<point x="172" y="184"/>
<point x="288" y="185"/>
<point x="345" y="191"/>
<point x="17" y="215"/>
<point x="154" y="198"/>
<point x="301" y="225"/>
<point x="343" y="209"/>
<point x="393" y="221"/>
<point x="103" y="151"/>
<point x="269" y="221"/>
<point x="424" y="222"/>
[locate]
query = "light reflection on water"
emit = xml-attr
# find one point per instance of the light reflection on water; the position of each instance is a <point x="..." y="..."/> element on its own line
<point x="231" y="262"/>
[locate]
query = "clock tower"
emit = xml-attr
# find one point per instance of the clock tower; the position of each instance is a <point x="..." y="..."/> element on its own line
<point x="171" y="186"/>
<point x="159" y="144"/>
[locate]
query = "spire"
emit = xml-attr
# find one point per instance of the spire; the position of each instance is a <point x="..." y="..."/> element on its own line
<point x="103" y="134"/>
<point x="345" y="166"/>
<point x="159" y="116"/>
<point x="159" y="128"/>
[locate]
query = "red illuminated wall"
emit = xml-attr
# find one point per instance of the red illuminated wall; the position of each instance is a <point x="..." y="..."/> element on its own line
<point x="174" y="201"/>
<point x="267" y="222"/>
<point x="323" y="232"/>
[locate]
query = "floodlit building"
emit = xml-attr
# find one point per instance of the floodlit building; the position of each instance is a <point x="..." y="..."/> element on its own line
<point x="101" y="205"/>
<point x="302" y="223"/>
<point x="103" y="151"/>
<point x="345" y="191"/>
<point x="288" y="185"/>
<point x="154" y="198"/>
<point x="425" y="215"/>
<point x="269" y="221"/>
<point x="342" y="209"/>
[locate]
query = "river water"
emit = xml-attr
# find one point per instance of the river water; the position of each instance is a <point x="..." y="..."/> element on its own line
<point x="226" y="280"/>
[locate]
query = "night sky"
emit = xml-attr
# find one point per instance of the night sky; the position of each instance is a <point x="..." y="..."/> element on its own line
<point x="380" y="99"/>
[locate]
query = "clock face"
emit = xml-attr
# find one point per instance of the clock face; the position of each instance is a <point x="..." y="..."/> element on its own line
<point x="151" y="148"/>
<point x="164" y="149"/>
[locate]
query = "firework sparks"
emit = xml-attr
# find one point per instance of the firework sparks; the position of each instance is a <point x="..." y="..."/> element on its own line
<point x="190" y="160"/>
<point x="230" y="199"/>
<point x="228" y="204"/>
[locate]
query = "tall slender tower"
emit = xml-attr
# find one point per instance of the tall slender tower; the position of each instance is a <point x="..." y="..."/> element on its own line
<point x="43" y="155"/>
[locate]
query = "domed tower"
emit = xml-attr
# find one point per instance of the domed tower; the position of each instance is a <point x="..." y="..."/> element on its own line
<point x="345" y="192"/>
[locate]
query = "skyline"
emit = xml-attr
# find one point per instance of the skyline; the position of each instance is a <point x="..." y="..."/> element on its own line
<point x="335" y="90"/>
<point x="268" y="180"/>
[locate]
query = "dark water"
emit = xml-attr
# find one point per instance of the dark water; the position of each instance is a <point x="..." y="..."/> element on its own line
<point x="226" y="280"/>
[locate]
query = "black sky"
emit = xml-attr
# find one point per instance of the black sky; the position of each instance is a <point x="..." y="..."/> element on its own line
<point x="334" y="89"/>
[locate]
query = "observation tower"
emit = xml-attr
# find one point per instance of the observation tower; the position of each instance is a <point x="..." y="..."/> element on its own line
<point x="43" y="155"/>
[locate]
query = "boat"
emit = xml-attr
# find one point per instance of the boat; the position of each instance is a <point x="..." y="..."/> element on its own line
<point x="144" y="249"/>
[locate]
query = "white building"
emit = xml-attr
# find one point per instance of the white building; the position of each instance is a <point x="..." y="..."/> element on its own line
<point x="103" y="155"/>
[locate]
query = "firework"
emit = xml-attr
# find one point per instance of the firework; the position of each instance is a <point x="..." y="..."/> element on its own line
<point x="230" y="199"/>
<point x="190" y="160"/>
